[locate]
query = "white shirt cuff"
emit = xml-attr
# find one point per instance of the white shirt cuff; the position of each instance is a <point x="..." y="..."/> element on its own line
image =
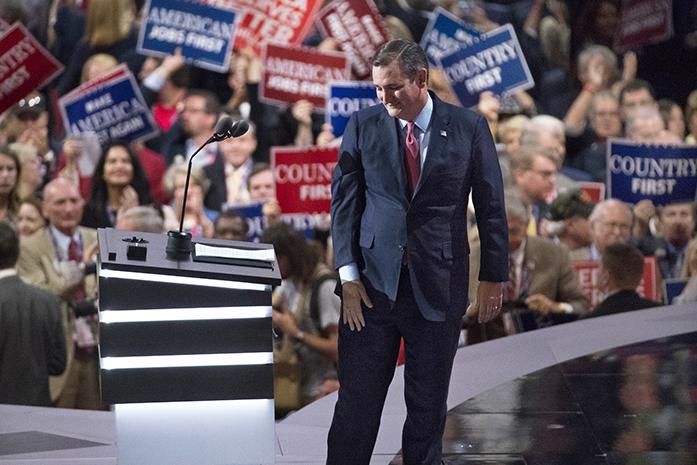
<point x="154" y="81"/>
<point x="348" y="273"/>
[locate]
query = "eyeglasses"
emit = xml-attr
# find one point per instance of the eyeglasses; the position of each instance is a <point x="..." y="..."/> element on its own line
<point x="620" y="226"/>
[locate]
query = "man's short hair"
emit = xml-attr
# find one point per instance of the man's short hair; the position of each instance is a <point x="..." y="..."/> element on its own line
<point x="232" y="214"/>
<point x="145" y="219"/>
<point x="9" y="246"/>
<point x="625" y="264"/>
<point x="524" y="157"/>
<point x="410" y="56"/>
<point x="515" y="206"/>
<point x="212" y="104"/>
<point x="598" y="212"/>
<point x="635" y="85"/>
<point x="602" y="95"/>
<point x="693" y="208"/>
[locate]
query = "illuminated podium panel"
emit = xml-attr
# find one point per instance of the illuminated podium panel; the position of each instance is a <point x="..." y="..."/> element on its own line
<point x="186" y="353"/>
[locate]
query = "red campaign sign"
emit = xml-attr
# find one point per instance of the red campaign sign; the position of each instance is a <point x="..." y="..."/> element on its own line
<point x="592" y="192"/>
<point x="358" y="28"/>
<point x="587" y="273"/>
<point x="24" y="66"/>
<point x="298" y="73"/>
<point x="279" y="21"/>
<point x="304" y="178"/>
<point x="644" y="22"/>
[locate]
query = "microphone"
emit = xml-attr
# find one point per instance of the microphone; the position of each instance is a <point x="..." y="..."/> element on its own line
<point x="222" y="129"/>
<point x="239" y="128"/>
<point x="179" y="242"/>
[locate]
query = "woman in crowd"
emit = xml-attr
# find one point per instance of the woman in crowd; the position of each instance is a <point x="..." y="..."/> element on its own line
<point x="306" y="310"/>
<point x="32" y="170"/>
<point x="118" y="184"/>
<point x="29" y="217"/>
<point x="9" y="176"/>
<point x="109" y="29"/>
<point x="198" y="220"/>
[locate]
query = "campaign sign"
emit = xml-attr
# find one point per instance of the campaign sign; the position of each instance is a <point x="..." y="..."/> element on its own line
<point x="445" y="34"/>
<point x="587" y="273"/>
<point x="203" y="32"/>
<point x="495" y="63"/>
<point x="661" y="173"/>
<point x="254" y="214"/>
<point x="344" y="99"/>
<point x="298" y="73"/>
<point x="673" y="288"/>
<point x="114" y="110"/>
<point x="304" y="178"/>
<point x="24" y="66"/>
<point x="358" y="28"/>
<point x="592" y="192"/>
<point x="644" y="22"/>
<point x="278" y="21"/>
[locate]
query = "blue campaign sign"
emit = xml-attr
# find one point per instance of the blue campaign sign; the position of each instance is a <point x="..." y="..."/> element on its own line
<point x="673" y="288"/>
<point x="203" y="32"/>
<point x="661" y="173"/>
<point x="114" y="110"/>
<point x="345" y="98"/>
<point x="446" y="33"/>
<point x="495" y="63"/>
<point x="254" y="215"/>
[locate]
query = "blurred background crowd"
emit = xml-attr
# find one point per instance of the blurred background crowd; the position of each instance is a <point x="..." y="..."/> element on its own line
<point x="551" y="139"/>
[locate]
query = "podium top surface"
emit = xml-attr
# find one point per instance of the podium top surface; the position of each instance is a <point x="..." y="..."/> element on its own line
<point x="113" y="255"/>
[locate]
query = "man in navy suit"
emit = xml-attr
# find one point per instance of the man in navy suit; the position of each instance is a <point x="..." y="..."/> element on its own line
<point x="399" y="226"/>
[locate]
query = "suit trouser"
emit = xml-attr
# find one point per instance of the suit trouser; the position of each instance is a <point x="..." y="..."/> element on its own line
<point x="367" y="360"/>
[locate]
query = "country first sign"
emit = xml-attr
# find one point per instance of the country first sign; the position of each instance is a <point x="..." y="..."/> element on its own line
<point x="203" y="32"/>
<point x="495" y="63"/>
<point x="24" y="66"/>
<point x="303" y="178"/>
<point x="661" y="173"/>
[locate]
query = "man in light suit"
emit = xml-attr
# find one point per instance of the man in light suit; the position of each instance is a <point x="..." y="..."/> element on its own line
<point x="399" y="226"/>
<point x="541" y="279"/>
<point x="31" y="332"/>
<point x="53" y="258"/>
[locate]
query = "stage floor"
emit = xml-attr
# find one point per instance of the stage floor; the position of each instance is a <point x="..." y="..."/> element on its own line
<point x="632" y="405"/>
<point x="528" y="399"/>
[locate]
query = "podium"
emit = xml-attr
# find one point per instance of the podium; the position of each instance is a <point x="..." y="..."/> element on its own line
<point x="186" y="354"/>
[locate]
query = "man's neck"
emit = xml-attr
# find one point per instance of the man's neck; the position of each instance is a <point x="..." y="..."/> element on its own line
<point x="70" y="232"/>
<point x="200" y="139"/>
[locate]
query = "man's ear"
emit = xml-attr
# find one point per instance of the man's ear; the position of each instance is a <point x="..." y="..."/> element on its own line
<point x="422" y="77"/>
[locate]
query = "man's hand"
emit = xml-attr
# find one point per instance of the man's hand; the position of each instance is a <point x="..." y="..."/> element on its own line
<point x="353" y="293"/>
<point x="487" y="303"/>
<point x="542" y="304"/>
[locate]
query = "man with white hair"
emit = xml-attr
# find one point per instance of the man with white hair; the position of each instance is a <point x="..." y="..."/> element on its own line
<point x="547" y="133"/>
<point x="611" y="223"/>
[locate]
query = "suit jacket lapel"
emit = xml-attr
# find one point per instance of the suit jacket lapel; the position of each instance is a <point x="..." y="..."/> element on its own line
<point x="440" y="120"/>
<point x="389" y="128"/>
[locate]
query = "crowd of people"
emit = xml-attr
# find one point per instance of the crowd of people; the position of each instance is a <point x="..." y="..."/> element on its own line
<point x="57" y="188"/>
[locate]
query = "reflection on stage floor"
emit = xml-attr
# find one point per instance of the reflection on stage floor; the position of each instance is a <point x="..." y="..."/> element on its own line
<point x="635" y="405"/>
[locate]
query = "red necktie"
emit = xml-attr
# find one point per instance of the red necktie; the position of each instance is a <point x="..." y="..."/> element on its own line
<point x="411" y="144"/>
<point x="75" y="255"/>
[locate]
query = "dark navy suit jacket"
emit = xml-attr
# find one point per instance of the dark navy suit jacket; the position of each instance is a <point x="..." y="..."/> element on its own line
<point x="374" y="222"/>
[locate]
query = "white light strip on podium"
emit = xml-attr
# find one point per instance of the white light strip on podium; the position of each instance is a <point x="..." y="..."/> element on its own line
<point x="176" y="361"/>
<point x="164" y="278"/>
<point x="183" y="314"/>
